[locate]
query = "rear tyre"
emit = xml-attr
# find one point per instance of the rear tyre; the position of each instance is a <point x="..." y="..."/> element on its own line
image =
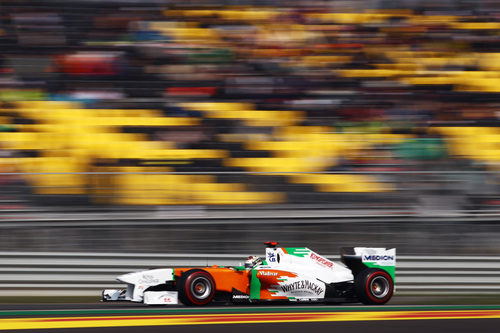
<point x="373" y="286"/>
<point x="196" y="287"/>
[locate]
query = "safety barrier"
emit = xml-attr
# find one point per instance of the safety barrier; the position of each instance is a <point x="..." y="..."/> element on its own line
<point x="85" y="274"/>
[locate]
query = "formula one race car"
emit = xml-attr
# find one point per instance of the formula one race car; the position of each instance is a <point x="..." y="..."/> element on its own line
<point x="285" y="274"/>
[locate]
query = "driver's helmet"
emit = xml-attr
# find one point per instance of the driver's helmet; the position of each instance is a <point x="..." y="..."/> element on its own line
<point x="252" y="261"/>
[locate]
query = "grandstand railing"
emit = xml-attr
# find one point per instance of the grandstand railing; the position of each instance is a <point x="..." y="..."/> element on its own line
<point x="413" y="191"/>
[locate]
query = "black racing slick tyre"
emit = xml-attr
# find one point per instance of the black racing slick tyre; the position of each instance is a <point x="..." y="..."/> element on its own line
<point x="196" y="287"/>
<point x="373" y="286"/>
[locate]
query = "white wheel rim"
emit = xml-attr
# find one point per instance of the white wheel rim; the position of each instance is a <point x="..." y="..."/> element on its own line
<point x="379" y="287"/>
<point x="201" y="287"/>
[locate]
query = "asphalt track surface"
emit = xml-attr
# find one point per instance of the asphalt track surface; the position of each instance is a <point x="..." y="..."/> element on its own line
<point x="130" y="318"/>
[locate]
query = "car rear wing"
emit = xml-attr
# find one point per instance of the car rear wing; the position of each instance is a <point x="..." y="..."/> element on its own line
<point x="360" y="258"/>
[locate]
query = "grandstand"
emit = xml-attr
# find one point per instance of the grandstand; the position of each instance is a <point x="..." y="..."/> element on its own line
<point x="245" y="105"/>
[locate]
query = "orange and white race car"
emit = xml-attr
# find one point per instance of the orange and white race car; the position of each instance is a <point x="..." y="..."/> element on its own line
<point x="291" y="274"/>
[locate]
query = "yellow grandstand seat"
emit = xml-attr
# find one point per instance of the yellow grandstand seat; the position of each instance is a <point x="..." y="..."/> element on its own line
<point x="58" y="176"/>
<point x="139" y="189"/>
<point x="342" y="182"/>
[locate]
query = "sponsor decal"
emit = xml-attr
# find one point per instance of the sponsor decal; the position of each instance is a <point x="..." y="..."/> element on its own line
<point x="303" y="285"/>
<point x="241" y="297"/>
<point x="297" y="251"/>
<point x="371" y="257"/>
<point x="322" y="261"/>
<point x="267" y="273"/>
<point x="271" y="257"/>
<point x="148" y="279"/>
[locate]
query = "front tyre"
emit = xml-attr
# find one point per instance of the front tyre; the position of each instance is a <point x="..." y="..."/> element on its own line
<point x="373" y="286"/>
<point x="196" y="287"/>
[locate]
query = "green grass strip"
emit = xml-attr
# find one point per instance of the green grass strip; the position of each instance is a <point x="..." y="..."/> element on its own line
<point x="256" y="309"/>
